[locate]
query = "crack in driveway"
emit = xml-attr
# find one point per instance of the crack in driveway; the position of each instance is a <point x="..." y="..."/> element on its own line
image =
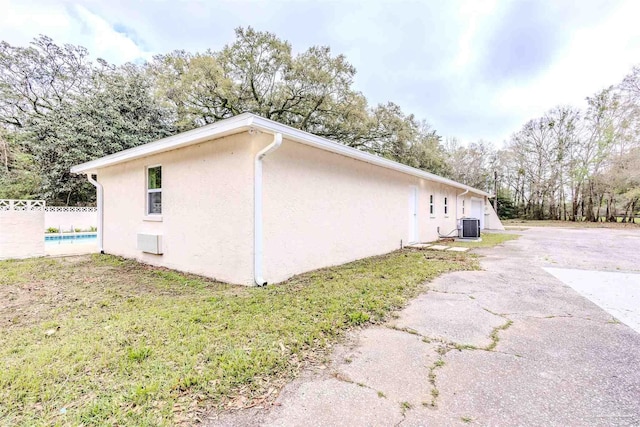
<point x="512" y="366"/>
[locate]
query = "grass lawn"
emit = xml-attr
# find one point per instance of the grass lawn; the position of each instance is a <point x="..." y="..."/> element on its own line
<point x="569" y="224"/>
<point x="98" y="340"/>
<point x="488" y="240"/>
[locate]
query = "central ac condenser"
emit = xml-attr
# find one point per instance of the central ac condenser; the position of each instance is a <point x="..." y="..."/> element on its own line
<point x="469" y="228"/>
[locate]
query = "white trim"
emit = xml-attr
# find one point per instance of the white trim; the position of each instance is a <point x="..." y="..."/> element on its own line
<point x="216" y="130"/>
<point x="481" y="216"/>
<point x="258" y="237"/>
<point x="100" y="203"/>
<point x="153" y="218"/>
<point x="463" y="207"/>
<point x="432" y="206"/>
<point x="245" y="122"/>
<point x="152" y="190"/>
<point x="414" y="235"/>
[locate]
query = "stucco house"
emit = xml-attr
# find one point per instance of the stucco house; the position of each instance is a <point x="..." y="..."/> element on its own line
<point x="247" y="200"/>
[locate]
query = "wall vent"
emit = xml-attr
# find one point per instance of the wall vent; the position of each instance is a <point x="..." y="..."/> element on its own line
<point x="150" y="243"/>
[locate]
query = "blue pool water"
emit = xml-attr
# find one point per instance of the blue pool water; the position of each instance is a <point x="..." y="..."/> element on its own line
<point x="58" y="239"/>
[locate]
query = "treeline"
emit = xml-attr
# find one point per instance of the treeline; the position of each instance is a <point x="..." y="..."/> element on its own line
<point x="570" y="164"/>
<point x="58" y="108"/>
<point x="573" y="164"/>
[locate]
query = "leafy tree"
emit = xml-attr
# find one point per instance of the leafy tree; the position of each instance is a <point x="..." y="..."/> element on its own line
<point x="194" y="87"/>
<point x="257" y="73"/>
<point x="18" y="173"/>
<point x="572" y="164"/>
<point x="61" y="109"/>
<point x="37" y="79"/>
<point x="506" y="208"/>
<point x="311" y="91"/>
<point x="471" y="164"/>
<point x="117" y="114"/>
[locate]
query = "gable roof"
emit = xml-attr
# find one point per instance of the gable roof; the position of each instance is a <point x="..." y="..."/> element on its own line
<point x="245" y="122"/>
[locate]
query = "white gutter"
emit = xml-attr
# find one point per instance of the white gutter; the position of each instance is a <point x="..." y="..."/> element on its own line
<point x="266" y="125"/>
<point x="248" y="121"/>
<point x="100" y="211"/>
<point x="457" y="196"/>
<point x="257" y="209"/>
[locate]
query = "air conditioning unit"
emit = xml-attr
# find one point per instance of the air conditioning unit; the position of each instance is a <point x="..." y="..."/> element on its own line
<point x="469" y="228"/>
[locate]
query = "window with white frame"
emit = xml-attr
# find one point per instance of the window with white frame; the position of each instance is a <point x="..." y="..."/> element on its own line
<point x="154" y="190"/>
<point x="431" y="210"/>
<point x="446" y="205"/>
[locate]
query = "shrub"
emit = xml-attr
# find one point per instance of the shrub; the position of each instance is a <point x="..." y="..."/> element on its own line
<point x="52" y="230"/>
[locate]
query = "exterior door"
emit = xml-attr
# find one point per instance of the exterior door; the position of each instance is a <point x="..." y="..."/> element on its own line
<point x="477" y="210"/>
<point x="413" y="215"/>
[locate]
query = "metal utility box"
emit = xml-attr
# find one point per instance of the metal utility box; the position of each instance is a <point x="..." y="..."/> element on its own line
<point x="150" y="243"/>
<point x="469" y="228"/>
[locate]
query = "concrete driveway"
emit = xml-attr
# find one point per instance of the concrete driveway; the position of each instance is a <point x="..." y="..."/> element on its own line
<point x="510" y="345"/>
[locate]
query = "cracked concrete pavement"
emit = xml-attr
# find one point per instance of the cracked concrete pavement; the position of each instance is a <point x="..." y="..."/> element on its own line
<point x="509" y="345"/>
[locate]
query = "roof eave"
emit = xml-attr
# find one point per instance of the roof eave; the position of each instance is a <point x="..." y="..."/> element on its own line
<point x="216" y="130"/>
<point x="328" y="145"/>
<point x="248" y="121"/>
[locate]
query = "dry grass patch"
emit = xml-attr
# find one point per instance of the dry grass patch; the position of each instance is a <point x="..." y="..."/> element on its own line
<point x="101" y="340"/>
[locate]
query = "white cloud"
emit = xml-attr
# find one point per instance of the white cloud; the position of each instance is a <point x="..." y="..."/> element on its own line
<point x="105" y="42"/>
<point x="471" y="15"/>
<point x="595" y="58"/>
<point x="21" y="22"/>
<point x="425" y="56"/>
<point x="67" y="23"/>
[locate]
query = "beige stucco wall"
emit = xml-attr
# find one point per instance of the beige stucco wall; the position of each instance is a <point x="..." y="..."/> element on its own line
<point x="21" y="234"/>
<point x="492" y="221"/>
<point x="207" y="209"/>
<point x="320" y="209"/>
<point x="324" y="209"/>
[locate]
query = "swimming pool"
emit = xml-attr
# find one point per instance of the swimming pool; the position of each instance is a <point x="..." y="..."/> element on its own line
<point x="59" y="239"/>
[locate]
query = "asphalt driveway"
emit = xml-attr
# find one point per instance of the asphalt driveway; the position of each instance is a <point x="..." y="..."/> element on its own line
<point x="514" y="344"/>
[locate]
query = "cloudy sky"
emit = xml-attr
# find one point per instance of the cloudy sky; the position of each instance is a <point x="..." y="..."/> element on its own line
<point x="474" y="69"/>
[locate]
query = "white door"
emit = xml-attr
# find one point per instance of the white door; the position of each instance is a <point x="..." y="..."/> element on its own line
<point x="477" y="210"/>
<point x="413" y="215"/>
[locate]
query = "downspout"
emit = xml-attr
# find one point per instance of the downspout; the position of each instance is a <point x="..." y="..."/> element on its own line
<point x="257" y="209"/>
<point x="461" y="194"/>
<point x="100" y="210"/>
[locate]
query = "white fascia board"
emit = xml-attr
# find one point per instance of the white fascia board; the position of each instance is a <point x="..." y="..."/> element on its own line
<point x="248" y="121"/>
<point x="218" y="129"/>
<point x="334" y="147"/>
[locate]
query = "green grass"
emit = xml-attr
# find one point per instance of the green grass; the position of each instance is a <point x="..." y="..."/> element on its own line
<point x="488" y="240"/>
<point x="106" y="341"/>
